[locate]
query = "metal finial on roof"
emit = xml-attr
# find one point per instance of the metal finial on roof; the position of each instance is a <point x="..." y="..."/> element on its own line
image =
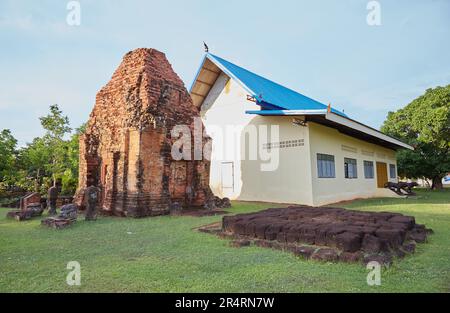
<point x="206" y="47"/>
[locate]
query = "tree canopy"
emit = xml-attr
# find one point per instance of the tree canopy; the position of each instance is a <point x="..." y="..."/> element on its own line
<point x="7" y="153"/>
<point x="37" y="165"/>
<point x="425" y="124"/>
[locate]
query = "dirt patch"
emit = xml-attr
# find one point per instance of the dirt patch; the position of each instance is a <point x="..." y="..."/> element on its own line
<point x="326" y="233"/>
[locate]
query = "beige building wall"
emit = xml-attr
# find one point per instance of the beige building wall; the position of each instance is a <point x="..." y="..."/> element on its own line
<point x="327" y="140"/>
<point x="235" y="174"/>
<point x="290" y="179"/>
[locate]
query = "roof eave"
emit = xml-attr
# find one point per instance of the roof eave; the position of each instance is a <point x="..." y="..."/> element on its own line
<point x="197" y="74"/>
<point x="229" y="73"/>
<point x="337" y="119"/>
<point x="348" y="122"/>
<point x="223" y="69"/>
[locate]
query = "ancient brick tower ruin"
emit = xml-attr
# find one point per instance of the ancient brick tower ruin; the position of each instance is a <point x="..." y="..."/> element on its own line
<point x="126" y="149"/>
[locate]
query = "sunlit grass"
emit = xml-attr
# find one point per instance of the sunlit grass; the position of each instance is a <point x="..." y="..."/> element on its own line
<point x="165" y="254"/>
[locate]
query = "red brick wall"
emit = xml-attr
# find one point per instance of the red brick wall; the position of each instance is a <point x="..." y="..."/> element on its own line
<point x="127" y="143"/>
<point x="34" y="197"/>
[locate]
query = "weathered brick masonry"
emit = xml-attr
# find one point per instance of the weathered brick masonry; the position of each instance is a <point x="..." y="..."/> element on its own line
<point x="126" y="149"/>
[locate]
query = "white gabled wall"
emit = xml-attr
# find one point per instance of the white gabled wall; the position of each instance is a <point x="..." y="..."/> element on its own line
<point x="225" y="105"/>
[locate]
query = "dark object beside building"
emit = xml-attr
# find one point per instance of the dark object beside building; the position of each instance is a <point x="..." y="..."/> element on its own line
<point x="402" y="188"/>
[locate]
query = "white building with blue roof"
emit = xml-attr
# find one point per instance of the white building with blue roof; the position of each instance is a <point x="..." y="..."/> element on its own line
<point x="271" y="143"/>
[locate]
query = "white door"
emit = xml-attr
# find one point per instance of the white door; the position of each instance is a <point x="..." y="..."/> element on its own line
<point x="227" y="179"/>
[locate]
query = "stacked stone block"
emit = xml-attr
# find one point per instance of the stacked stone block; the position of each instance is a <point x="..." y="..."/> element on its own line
<point x="326" y="233"/>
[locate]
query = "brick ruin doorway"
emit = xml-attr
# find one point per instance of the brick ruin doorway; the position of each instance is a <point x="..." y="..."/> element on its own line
<point x="109" y="176"/>
<point x="179" y="182"/>
<point x="115" y="176"/>
<point x="103" y="182"/>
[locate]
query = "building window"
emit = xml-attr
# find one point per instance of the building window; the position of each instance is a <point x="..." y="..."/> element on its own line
<point x="392" y="171"/>
<point x="350" y="168"/>
<point x="325" y="166"/>
<point x="368" y="169"/>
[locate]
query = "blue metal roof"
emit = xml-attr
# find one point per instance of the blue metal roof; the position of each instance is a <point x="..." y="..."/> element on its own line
<point x="268" y="94"/>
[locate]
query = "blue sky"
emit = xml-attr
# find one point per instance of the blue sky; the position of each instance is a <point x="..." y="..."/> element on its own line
<point x="323" y="49"/>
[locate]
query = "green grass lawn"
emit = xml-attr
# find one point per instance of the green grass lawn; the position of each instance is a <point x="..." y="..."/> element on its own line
<point x="164" y="254"/>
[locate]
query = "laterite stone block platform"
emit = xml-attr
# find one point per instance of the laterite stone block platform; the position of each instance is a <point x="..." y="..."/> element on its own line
<point x="328" y="234"/>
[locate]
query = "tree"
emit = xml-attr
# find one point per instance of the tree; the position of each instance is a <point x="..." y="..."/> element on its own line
<point x="45" y="160"/>
<point x="56" y="126"/>
<point x="70" y="175"/>
<point x="7" y="153"/>
<point x="34" y="159"/>
<point x="424" y="124"/>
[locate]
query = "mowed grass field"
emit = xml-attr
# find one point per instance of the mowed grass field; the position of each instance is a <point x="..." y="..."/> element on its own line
<point x="165" y="254"/>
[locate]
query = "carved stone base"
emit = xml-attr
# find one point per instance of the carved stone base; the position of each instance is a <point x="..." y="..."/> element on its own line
<point x="57" y="223"/>
<point x="33" y="210"/>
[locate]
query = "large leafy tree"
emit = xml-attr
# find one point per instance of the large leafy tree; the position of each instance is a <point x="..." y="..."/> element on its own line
<point x="424" y="124"/>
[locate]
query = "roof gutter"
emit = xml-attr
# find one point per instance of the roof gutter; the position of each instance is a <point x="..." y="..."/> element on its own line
<point x="287" y="112"/>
